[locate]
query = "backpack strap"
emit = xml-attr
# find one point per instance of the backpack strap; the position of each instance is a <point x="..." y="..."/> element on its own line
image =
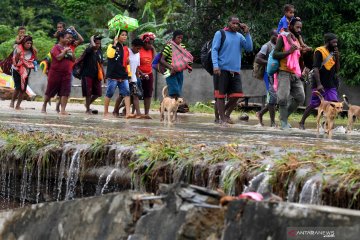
<point x="223" y="37"/>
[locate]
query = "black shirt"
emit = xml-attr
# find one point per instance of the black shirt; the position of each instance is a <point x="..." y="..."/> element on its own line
<point x="115" y="68"/>
<point x="327" y="77"/>
<point x="91" y="59"/>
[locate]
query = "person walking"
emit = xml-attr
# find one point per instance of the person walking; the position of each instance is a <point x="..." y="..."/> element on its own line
<point x="290" y="89"/>
<point x="117" y="73"/>
<point x="262" y="59"/>
<point x="59" y="76"/>
<point x="227" y="65"/>
<point x="23" y="61"/>
<point x="147" y="54"/>
<point x="92" y="73"/>
<point x="326" y="66"/>
<point x="175" y="50"/>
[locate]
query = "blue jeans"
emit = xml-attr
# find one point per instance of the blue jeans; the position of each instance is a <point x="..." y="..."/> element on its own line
<point x="175" y="83"/>
<point x="123" y="86"/>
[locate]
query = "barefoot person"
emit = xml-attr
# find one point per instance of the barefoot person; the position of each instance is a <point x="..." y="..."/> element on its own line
<point x="92" y="72"/>
<point x="262" y="59"/>
<point x="23" y="62"/>
<point x="116" y="73"/>
<point x="326" y="65"/>
<point x="227" y="65"/>
<point x="147" y="54"/>
<point x="59" y="77"/>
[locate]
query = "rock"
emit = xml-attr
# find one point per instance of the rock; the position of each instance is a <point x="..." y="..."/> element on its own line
<point x="181" y="212"/>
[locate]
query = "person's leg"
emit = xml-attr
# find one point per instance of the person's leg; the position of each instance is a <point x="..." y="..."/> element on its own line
<point x="298" y="94"/>
<point x="220" y="103"/>
<point x="283" y="93"/>
<point x="180" y="80"/>
<point x="148" y="87"/>
<point x="63" y="102"/>
<point x="17" y="82"/>
<point x="235" y="92"/>
<point x="272" y="102"/>
<point x="58" y="102"/>
<point x="46" y="100"/>
<point x="109" y="93"/>
<point x="173" y="85"/>
<point x="14" y="97"/>
<point x="220" y="94"/>
<point x="125" y="91"/>
<point x="260" y="114"/>
<point x="86" y="87"/>
<point x="19" y="100"/>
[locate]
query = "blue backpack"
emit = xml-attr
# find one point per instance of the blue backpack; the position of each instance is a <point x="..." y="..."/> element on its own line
<point x="272" y="64"/>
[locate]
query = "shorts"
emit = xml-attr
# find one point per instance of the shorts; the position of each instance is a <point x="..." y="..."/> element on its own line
<point x="329" y="94"/>
<point x="91" y="87"/>
<point x="58" y="83"/>
<point x="17" y="79"/>
<point x="136" y="89"/>
<point x="148" y="86"/>
<point x="227" y="84"/>
<point x="124" y="89"/>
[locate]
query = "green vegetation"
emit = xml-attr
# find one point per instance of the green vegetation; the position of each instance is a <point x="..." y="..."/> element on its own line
<point x="199" y="20"/>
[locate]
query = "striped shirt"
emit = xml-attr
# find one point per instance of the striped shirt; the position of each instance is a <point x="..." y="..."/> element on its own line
<point x="167" y="52"/>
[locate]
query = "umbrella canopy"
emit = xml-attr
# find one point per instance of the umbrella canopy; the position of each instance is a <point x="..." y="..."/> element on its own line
<point x="120" y="22"/>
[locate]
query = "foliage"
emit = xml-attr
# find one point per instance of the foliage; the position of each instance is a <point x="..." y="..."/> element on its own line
<point x="198" y="19"/>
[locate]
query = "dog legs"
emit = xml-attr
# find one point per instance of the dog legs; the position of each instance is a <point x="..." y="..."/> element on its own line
<point x="318" y="118"/>
<point x="162" y="112"/>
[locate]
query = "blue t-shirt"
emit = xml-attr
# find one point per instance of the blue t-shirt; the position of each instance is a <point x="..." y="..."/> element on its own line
<point x="283" y="24"/>
<point x="229" y="57"/>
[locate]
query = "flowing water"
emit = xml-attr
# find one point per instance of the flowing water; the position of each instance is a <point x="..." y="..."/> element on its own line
<point x="69" y="174"/>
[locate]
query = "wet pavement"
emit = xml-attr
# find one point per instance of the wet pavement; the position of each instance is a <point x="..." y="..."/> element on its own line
<point x="196" y="128"/>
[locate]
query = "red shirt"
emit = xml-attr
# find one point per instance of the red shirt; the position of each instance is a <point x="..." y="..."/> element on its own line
<point x="146" y="58"/>
<point x="64" y="65"/>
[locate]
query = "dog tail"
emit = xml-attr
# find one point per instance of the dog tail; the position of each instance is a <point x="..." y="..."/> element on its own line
<point x="346" y="100"/>
<point x="165" y="92"/>
<point x="317" y="93"/>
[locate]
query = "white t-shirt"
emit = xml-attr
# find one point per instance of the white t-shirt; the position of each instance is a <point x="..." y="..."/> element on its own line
<point x="134" y="64"/>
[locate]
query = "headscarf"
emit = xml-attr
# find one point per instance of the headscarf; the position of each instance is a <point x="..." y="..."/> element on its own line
<point x="147" y="37"/>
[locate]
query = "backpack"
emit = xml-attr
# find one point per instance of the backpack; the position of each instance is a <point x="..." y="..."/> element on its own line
<point x="259" y="69"/>
<point x="79" y="66"/>
<point x="205" y="54"/>
<point x="6" y="64"/>
<point x="272" y="65"/>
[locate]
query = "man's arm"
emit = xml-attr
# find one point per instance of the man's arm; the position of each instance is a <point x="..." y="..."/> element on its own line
<point x="317" y="65"/>
<point x="247" y="42"/>
<point x="215" y="52"/>
<point x="80" y="38"/>
<point x="278" y="53"/>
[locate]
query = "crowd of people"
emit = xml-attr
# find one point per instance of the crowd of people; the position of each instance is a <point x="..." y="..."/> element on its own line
<point x="130" y="69"/>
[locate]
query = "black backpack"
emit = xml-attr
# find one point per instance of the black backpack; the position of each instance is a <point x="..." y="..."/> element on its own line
<point x="205" y="54"/>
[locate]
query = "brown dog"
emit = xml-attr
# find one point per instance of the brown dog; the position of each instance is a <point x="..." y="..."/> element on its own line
<point x="171" y="105"/>
<point x="353" y="113"/>
<point x="330" y="110"/>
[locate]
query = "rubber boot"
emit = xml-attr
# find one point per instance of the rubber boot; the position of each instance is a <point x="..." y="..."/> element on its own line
<point x="284" y="118"/>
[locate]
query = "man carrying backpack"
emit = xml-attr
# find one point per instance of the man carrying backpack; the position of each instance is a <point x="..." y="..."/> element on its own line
<point x="227" y="64"/>
<point x="262" y="59"/>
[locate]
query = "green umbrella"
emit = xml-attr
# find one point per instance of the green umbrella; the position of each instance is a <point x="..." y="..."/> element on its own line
<point x="120" y="22"/>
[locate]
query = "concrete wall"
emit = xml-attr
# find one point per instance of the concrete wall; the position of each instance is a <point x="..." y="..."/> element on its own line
<point x="198" y="86"/>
